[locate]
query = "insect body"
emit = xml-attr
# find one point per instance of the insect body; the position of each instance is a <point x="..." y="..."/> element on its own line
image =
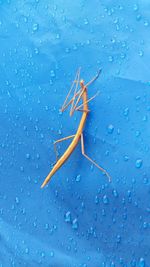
<point x="78" y="95"/>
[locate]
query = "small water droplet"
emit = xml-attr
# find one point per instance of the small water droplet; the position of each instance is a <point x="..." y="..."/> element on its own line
<point x="138" y="17"/>
<point x="115" y="193"/>
<point x="35" y="27"/>
<point x="141" y="262"/>
<point x="57" y="36"/>
<point x="118" y="238"/>
<point x="75" y="224"/>
<point x="126" y="111"/>
<point x="78" y="178"/>
<point x="135" y="7"/>
<point x="137" y="133"/>
<point x="110" y="59"/>
<point x="36" y="50"/>
<point x="42" y="254"/>
<point x="139" y="163"/>
<point x="27" y="156"/>
<point x="112" y="264"/>
<point x="52" y="254"/>
<point x="96" y="200"/>
<point x="110" y="128"/>
<point x="105" y="199"/>
<point x="86" y="22"/>
<point x="141" y="53"/>
<point x="145" y="118"/>
<point x="146" y="23"/>
<point x="68" y="216"/>
<point x="22" y="169"/>
<point x="133" y="263"/>
<point x="17" y="200"/>
<point x="52" y="73"/>
<point x="126" y="158"/>
<point x="27" y="250"/>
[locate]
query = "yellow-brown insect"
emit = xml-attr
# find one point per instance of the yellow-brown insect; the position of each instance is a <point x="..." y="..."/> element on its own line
<point x="78" y="94"/>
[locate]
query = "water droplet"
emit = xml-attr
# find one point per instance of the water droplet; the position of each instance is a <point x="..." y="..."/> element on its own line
<point x="27" y="250"/>
<point x="145" y="225"/>
<point x="118" y="238"/>
<point x="145" y="118"/>
<point x="126" y="111"/>
<point x="37" y="155"/>
<point x="27" y="156"/>
<point x="126" y="158"/>
<point x="86" y="21"/>
<point x="52" y="73"/>
<point x="105" y="199"/>
<point x="103" y="212"/>
<point x="141" y="262"/>
<point x="138" y="17"/>
<point x="21" y="168"/>
<point x="146" y="23"/>
<point x="133" y="263"/>
<point x="96" y="200"/>
<point x="35" y="27"/>
<point x="42" y="254"/>
<point x="57" y="36"/>
<point x="139" y="163"/>
<point x="75" y="224"/>
<point x="36" y="50"/>
<point x="141" y="53"/>
<point x="110" y="58"/>
<point x="137" y="133"/>
<point x="46" y="226"/>
<point x="52" y="254"/>
<point x="110" y="128"/>
<point x="17" y="200"/>
<point x="135" y="7"/>
<point x="68" y="216"/>
<point x="115" y="193"/>
<point x="78" y="178"/>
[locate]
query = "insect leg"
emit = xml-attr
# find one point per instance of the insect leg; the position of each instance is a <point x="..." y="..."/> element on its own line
<point x="75" y="91"/>
<point x="95" y="78"/>
<point x="65" y="104"/>
<point x="60" y="140"/>
<point x="78" y="108"/>
<point x="99" y="167"/>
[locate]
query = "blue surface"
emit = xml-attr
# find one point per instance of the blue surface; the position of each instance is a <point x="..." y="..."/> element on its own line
<point x="78" y="220"/>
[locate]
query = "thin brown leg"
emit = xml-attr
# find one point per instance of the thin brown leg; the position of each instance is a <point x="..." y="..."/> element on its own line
<point x="60" y="140"/>
<point x="78" y="99"/>
<point x="78" y="108"/>
<point x="82" y="91"/>
<point x="75" y="90"/>
<point x="99" y="167"/>
<point x="76" y="81"/>
<point x="76" y="93"/>
<point x="95" y="78"/>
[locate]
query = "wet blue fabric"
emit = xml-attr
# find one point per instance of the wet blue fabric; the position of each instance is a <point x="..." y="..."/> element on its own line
<point x="79" y="219"/>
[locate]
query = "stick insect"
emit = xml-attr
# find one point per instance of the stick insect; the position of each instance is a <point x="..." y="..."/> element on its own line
<point x="80" y="92"/>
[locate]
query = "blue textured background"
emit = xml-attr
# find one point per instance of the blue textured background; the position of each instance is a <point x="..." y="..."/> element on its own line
<point x="79" y="220"/>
